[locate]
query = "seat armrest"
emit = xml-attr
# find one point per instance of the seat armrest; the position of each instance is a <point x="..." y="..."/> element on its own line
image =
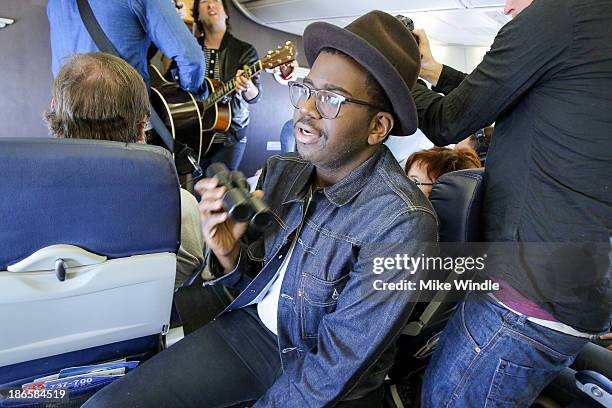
<point x="597" y="386"/>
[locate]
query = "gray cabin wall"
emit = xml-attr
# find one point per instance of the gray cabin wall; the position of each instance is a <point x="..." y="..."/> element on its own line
<point x="273" y="108"/>
<point x="25" y="69"/>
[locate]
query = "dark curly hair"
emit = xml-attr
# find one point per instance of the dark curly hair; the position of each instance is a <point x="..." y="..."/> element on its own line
<point x="196" y="16"/>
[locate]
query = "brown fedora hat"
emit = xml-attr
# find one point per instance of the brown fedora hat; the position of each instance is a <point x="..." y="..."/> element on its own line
<point x="385" y="48"/>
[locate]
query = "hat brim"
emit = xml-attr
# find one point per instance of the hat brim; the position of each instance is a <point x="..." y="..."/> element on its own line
<point x="321" y="35"/>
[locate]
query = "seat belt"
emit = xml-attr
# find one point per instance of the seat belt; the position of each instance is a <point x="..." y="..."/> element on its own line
<point x="184" y="155"/>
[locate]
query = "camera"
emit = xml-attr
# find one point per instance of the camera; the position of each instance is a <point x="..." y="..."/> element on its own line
<point x="237" y="201"/>
<point x="409" y="24"/>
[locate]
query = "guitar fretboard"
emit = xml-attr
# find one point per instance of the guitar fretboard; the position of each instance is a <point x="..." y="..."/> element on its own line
<point x="229" y="86"/>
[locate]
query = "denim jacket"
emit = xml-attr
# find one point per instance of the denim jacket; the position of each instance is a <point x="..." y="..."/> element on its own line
<point x="335" y="333"/>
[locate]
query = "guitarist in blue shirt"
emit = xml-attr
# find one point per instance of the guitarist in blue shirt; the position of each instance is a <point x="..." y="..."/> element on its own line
<point x="131" y="25"/>
<point x="225" y="57"/>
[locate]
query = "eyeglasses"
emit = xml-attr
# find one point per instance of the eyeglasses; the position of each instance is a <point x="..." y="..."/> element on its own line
<point x="328" y="103"/>
<point x="420" y="183"/>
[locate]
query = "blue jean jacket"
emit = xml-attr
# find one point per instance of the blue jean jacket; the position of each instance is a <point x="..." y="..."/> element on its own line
<point x="335" y="332"/>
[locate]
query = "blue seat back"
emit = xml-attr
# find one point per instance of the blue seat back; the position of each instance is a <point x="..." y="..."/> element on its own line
<point x="110" y="198"/>
<point x="457" y="199"/>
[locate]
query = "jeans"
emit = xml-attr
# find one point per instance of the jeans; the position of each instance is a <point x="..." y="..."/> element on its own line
<point x="231" y="360"/>
<point x="230" y="155"/>
<point x="489" y="356"/>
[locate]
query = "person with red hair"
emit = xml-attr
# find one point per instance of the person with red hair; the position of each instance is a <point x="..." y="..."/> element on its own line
<point x="425" y="166"/>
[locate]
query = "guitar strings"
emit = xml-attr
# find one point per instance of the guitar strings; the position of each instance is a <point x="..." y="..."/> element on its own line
<point x="229" y="86"/>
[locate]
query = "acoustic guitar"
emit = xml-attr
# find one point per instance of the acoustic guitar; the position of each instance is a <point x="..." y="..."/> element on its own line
<point x="193" y="122"/>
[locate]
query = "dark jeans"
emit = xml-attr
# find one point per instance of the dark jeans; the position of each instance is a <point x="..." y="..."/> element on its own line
<point x="489" y="356"/>
<point x="230" y="155"/>
<point x="233" y="359"/>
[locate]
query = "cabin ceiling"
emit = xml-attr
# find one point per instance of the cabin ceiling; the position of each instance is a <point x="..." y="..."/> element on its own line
<point x="447" y="22"/>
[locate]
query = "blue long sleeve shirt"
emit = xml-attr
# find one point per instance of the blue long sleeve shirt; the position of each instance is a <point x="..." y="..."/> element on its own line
<point x="131" y="25"/>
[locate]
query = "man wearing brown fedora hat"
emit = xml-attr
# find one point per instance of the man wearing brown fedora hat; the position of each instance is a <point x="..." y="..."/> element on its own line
<point x="315" y="322"/>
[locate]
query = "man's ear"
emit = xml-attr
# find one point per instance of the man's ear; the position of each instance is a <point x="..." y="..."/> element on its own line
<point x="380" y="127"/>
<point x="140" y="128"/>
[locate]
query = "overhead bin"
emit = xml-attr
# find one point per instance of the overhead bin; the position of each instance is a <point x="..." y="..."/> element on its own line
<point x="283" y="11"/>
<point x="276" y="11"/>
<point x="463" y="22"/>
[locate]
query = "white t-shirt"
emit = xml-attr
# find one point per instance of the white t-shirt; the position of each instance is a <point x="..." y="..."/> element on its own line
<point x="267" y="300"/>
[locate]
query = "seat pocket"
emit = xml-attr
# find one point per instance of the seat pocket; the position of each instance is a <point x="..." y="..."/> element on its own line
<point x="318" y="298"/>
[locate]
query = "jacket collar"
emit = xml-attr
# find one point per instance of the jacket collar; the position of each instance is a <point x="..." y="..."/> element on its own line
<point x="227" y="37"/>
<point x="225" y="41"/>
<point x="301" y="182"/>
<point x="344" y="190"/>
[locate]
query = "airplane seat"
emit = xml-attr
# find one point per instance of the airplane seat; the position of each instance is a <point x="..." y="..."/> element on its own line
<point x="457" y="200"/>
<point x="585" y="383"/>
<point x="88" y="239"/>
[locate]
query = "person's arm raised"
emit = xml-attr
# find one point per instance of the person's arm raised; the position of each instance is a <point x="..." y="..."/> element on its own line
<point x="430" y="68"/>
<point x="220" y="232"/>
<point x="530" y="46"/>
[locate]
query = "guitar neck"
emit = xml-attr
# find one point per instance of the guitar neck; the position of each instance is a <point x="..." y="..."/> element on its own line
<point x="229" y="86"/>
